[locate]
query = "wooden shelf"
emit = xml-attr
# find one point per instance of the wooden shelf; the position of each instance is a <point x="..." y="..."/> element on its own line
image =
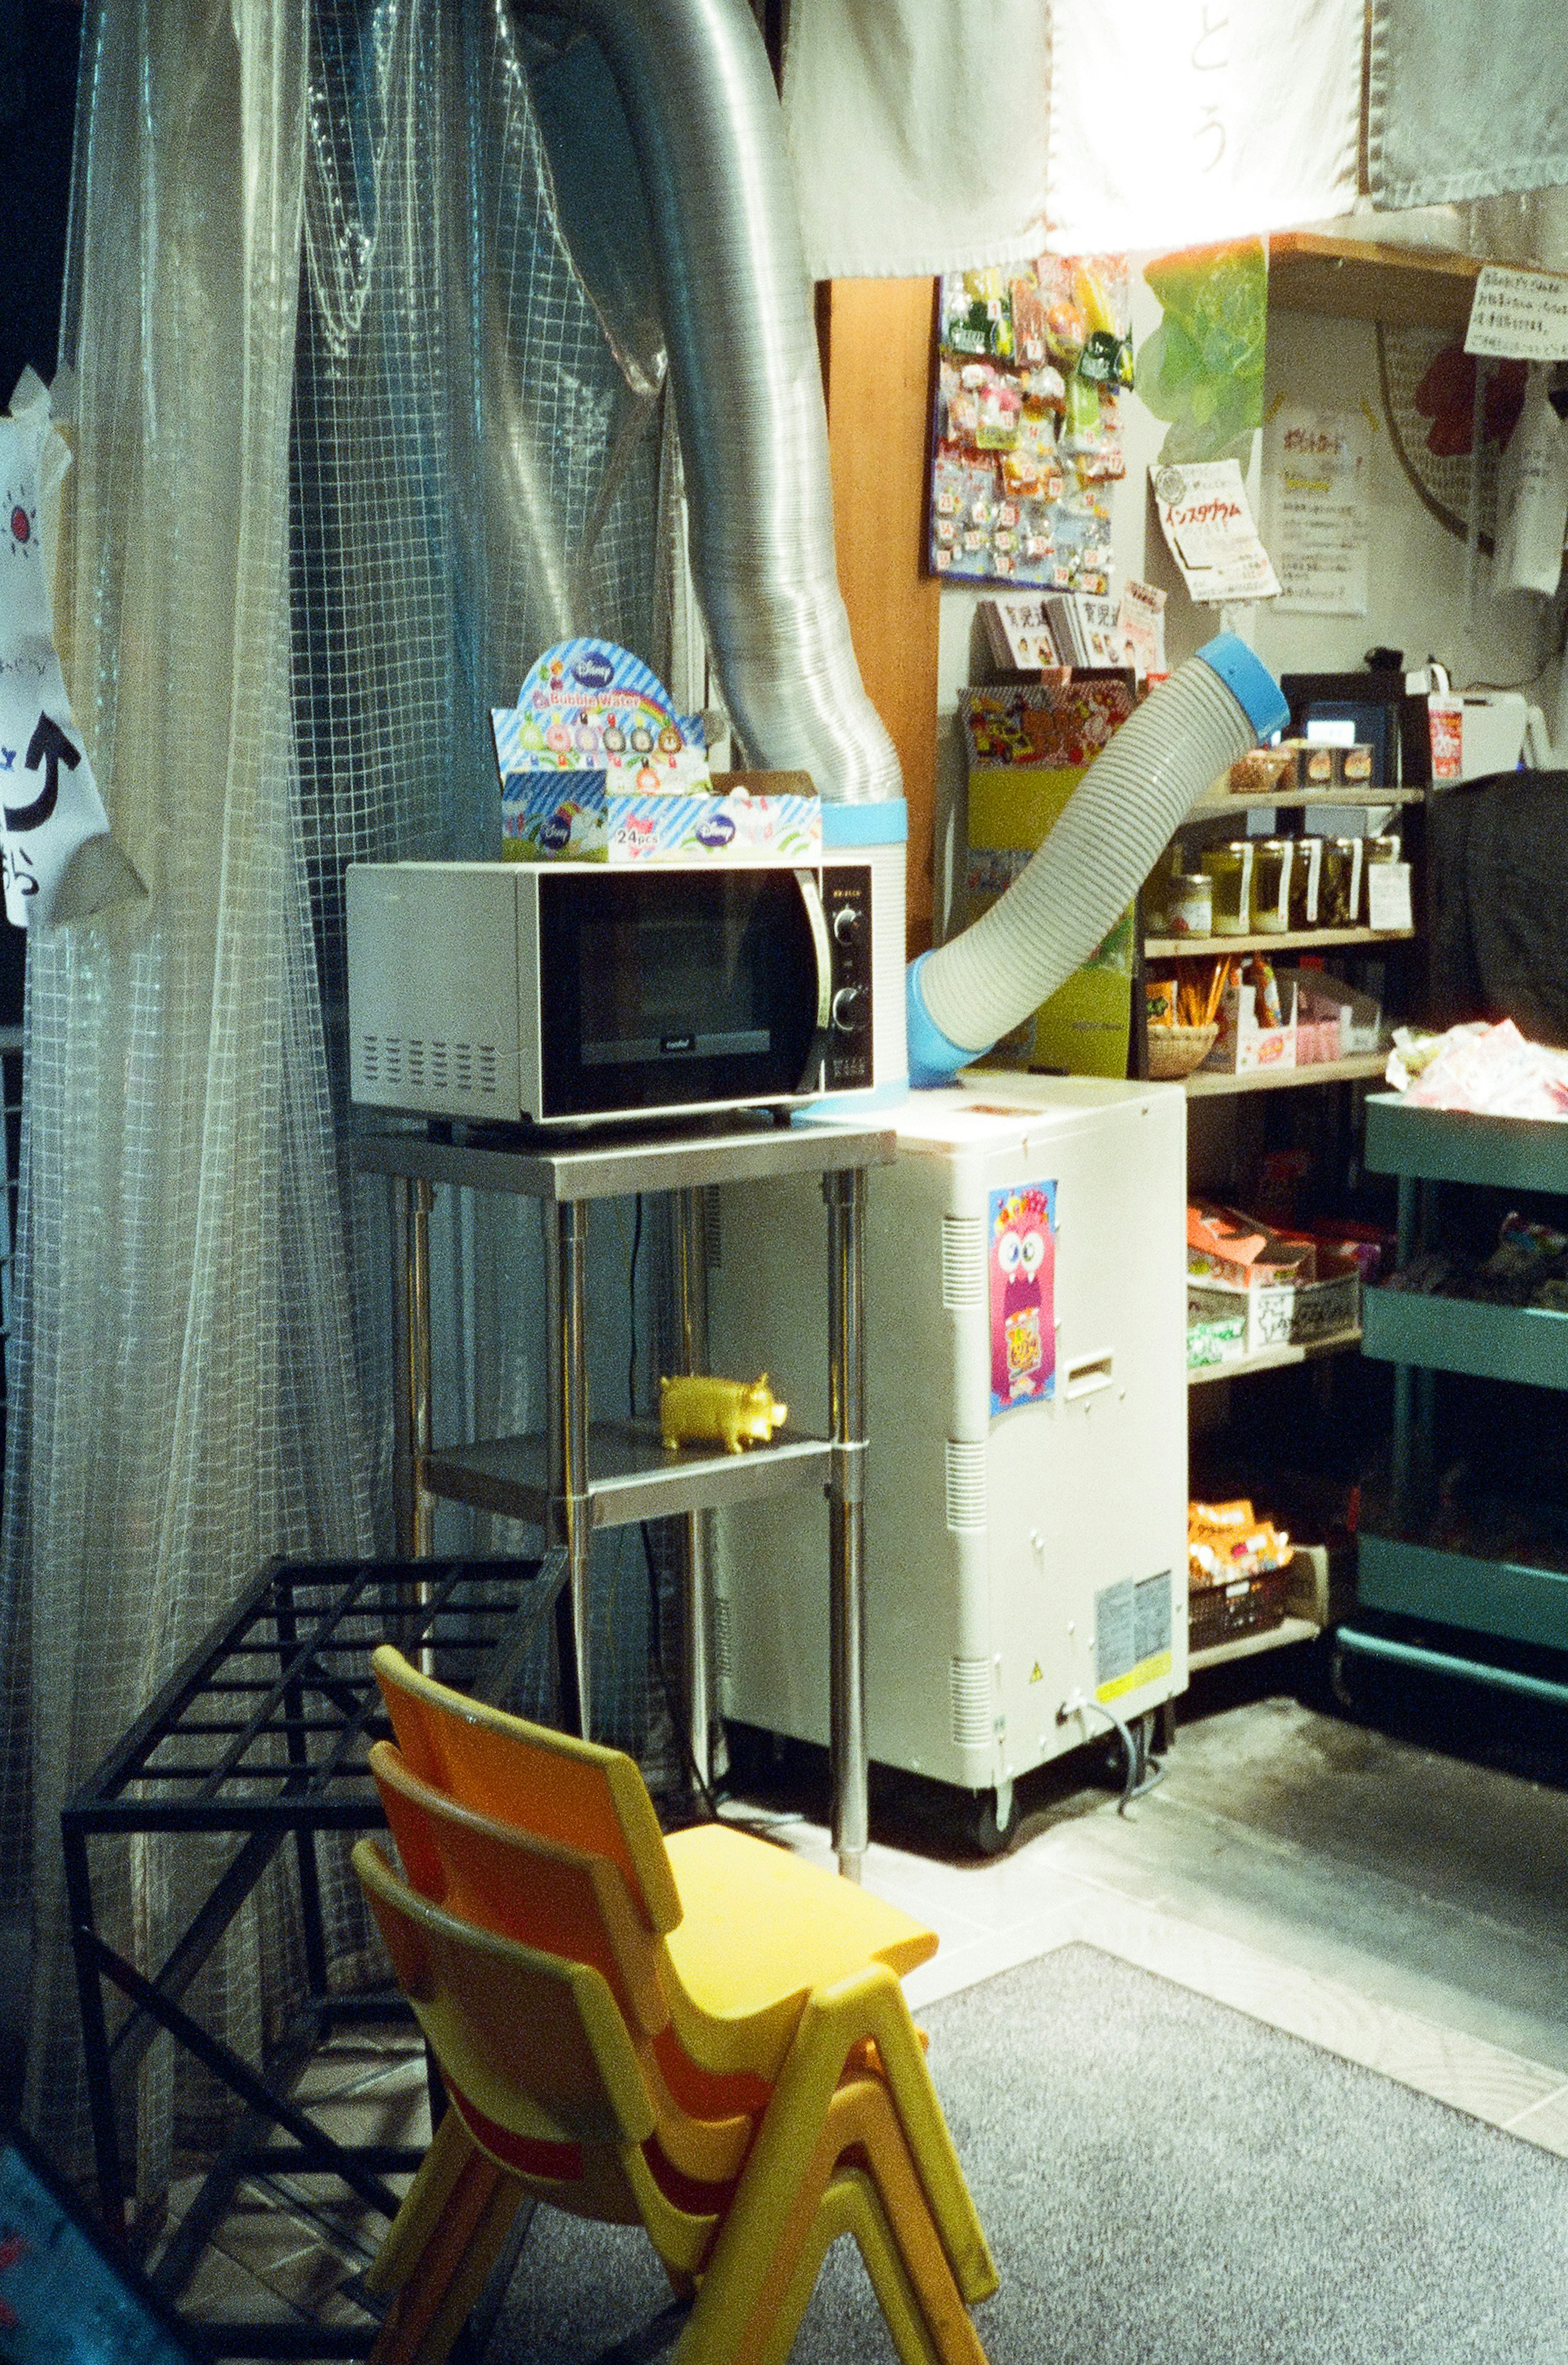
<point x="1355" y="1068"/>
<point x="1302" y="939"/>
<point x="1247" y="1646"/>
<point x="1214" y="804"/>
<point x="1415" y="288"/>
<point x="1275" y="1359"/>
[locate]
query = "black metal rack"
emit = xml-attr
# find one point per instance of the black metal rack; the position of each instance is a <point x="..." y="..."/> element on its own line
<point x="261" y="1734"/>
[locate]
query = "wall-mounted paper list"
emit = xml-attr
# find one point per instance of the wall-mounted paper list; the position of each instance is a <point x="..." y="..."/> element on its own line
<point x="1520" y="313"/>
<point x="1316" y="465"/>
<point x="1207" y="522"/>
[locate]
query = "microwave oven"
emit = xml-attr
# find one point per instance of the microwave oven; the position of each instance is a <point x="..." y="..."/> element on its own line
<point x="581" y="992"/>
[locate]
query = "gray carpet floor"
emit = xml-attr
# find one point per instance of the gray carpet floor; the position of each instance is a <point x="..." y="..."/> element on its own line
<point x="1164" y="2182"/>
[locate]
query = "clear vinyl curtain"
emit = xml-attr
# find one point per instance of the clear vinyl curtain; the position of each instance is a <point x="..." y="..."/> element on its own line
<point x="351" y="445"/>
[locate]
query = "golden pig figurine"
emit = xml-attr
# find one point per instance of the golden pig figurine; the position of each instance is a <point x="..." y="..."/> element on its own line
<point x="731" y="1410"/>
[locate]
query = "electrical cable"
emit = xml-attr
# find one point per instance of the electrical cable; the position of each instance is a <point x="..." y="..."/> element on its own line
<point x="1132" y="1787"/>
<point x="703" y="1788"/>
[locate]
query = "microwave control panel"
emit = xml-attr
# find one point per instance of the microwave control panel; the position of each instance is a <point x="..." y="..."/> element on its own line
<point x="846" y="905"/>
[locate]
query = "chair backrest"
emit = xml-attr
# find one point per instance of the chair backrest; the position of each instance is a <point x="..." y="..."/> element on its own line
<point x="560" y="1900"/>
<point x="534" y="2041"/>
<point x="574" y="1792"/>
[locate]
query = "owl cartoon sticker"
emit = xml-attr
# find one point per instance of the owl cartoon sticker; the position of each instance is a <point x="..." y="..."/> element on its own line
<point x="1021" y="1261"/>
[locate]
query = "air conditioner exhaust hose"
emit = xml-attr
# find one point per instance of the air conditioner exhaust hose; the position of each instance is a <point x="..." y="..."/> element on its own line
<point x="698" y="93"/>
<point x="1126" y="807"/>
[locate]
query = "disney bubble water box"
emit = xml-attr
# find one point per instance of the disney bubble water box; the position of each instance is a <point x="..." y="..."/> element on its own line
<point x="597" y="766"/>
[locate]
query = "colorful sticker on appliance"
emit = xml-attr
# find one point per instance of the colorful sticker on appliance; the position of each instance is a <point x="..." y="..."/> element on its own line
<point x="1132" y="1635"/>
<point x="1020" y="1262"/>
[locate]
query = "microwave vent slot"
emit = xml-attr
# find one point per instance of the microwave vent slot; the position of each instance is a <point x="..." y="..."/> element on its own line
<point x="370" y="1056"/>
<point x="440" y="1069"/>
<point x="414" y="1056"/>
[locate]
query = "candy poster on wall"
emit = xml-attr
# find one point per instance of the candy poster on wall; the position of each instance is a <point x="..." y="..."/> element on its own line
<point x="1032" y="359"/>
<point x="1021" y="1243"/>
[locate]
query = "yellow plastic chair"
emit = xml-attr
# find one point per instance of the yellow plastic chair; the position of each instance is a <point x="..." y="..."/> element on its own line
<point x="745" y="1931"/>
<point x="550" y="2096"/>
<point x="566" y="1902"/>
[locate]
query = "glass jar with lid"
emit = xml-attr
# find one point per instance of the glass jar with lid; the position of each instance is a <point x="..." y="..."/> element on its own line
<point x="1307" y="883"/>
<point x="1339" y="897"/>
<point x="1230" y="867"/>
<point x="1271" y="885"/>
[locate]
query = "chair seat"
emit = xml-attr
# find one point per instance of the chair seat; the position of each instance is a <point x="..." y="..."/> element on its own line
<point x="760" y="1929"/>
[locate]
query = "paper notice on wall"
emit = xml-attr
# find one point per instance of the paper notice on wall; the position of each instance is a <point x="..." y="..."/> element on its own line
<point x="1523" y="314"/>
<point x="1317" y="473"/>
<point x="1208" y="525"/>
<point x="1141" y="620"/>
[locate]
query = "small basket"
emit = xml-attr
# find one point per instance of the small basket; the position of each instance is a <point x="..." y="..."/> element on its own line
<point x="1222" y="1613"/>
<point x="1175" y="1051"/>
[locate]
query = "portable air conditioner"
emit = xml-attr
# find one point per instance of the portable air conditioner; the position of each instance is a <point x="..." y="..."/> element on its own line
<point x="1027" y="1488"/>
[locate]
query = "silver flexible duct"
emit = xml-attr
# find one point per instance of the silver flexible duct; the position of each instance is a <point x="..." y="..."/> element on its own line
<point x="697" y="93"/>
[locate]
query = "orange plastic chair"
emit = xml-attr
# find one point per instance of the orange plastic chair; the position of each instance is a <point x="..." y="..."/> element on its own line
<point x="567" y="1903"/>
<point x="744" y="1931"/>
<point x="550" y="2095"/>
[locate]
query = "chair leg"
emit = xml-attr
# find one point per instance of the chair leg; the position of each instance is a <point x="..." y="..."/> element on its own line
<point x="758" y="2271"/>
<point x="441" y="2246"/>
<point x="837" y="2021"/>
<point x="850" y="2207"/>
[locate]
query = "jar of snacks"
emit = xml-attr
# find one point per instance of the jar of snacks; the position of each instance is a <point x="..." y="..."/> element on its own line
<point x="1229" y="869"/>
<point x="1339" y="898"/>
<point x="1190" y="904"/>
<point x="1270" y="886"/>
<point x="1307" y="883"/>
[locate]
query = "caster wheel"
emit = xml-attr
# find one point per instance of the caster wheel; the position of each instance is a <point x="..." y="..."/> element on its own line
<point x="993" y="1820"/>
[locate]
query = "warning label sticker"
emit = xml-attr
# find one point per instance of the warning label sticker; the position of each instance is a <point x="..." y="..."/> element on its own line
<point x="1132" y="1634"/>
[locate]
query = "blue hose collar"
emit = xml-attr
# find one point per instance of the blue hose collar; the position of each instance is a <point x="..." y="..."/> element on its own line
<point x="933" y="1058"/>
<point x="1250" y="682"/>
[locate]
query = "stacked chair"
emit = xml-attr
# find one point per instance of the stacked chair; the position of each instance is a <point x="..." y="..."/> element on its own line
<point x="704" y="2035"/>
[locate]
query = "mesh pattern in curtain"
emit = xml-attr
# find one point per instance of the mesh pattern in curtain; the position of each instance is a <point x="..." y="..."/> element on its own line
<point x="185" y="1384"/>
<point x="353" y="444"/>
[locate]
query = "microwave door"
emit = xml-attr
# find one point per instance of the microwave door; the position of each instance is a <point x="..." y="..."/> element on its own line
<point x="665" y="988"/>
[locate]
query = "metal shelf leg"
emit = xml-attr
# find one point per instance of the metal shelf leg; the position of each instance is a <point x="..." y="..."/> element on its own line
<point x="695" y="1526"/>
<point x="846" y="1196"/>
<point x="570" y="1517"/>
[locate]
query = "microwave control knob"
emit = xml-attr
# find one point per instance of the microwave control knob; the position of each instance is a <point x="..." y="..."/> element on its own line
<point x="847" y="924"/>
<point x="849" y="1009"/>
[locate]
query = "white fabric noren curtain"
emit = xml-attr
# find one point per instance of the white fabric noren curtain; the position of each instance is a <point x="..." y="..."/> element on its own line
<point x="1466" y="101"/>
<point x="917" y="129"/>
<point x="940" y="135"/>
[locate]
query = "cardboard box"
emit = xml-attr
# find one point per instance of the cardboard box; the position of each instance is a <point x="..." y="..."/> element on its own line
<point x="578" y="817"/>
<point x="1214" y="1339"/>
<point x="1225" y="1244"/>
<point x="1285" y="1313"/>
<point x="1242" y="1043"/>
<point x="1320" y="996"/>
<point x="597" y="766"/>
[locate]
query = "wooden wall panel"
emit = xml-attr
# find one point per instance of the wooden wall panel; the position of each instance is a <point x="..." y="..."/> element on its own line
<point x="877" y="346"/>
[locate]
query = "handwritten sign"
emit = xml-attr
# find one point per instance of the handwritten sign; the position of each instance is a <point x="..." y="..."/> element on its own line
<point x="1208" y="526"/>
<point x="1523" y="314"/>
<point x="1316" y="466"/>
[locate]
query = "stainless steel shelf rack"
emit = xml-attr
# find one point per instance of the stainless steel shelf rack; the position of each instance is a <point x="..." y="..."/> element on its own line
<point x="578" y="1475"/>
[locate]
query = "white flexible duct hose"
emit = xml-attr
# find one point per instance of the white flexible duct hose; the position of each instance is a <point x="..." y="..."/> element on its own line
<point x="698" y="91"/>
<point x="1126" y="808"/>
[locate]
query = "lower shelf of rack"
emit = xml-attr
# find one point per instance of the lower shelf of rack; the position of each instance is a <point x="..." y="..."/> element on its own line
<point x="1247" y="1646"/>
<point x="1356" y="1067"/>
<point x="1275" y="1359"/>
<point x="1464" y="1334"/>
<point x="1512" y="1599"/>
<point x="631" y="1476"/>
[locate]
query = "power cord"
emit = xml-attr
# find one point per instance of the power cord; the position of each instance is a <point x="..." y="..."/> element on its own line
<point x="694" y="1775"/>
<point x="1132" y="1789"/>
